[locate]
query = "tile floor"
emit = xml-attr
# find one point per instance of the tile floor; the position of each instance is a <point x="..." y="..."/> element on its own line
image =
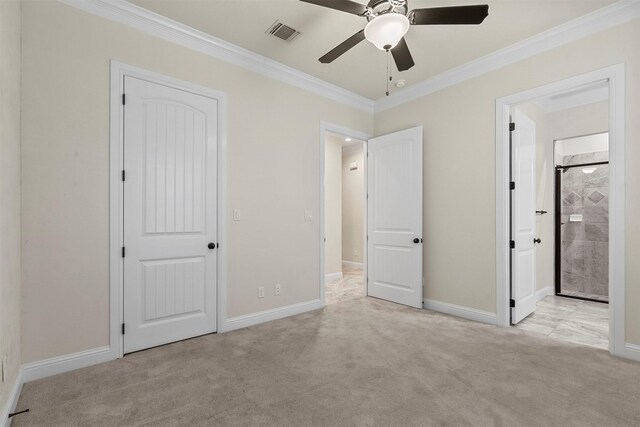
<point x="564" y="319"/>
<point x="350" y="287"/>
<point x="571" y="320"/>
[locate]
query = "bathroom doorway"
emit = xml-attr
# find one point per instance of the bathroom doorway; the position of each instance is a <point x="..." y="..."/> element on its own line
<point x="560" y="229"/>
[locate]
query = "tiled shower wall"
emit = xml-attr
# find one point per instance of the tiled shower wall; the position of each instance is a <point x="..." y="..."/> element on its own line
<point x="585" y="244"/>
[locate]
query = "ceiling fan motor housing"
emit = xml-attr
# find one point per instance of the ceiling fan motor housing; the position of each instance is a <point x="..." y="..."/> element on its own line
<point x="376" y="8"/>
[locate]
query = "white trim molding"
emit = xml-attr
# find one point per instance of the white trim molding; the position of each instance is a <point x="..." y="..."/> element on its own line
<point x="544" y="292"/>
<point x="252" y="319"/>
<point x="631" y="351"/>
<point x="352" y="264"/>
<point x="601" y="19"/>
<point x="615" y="76"/>
<point x="12" y="399"/>
<point x="129" y="14"/>
<point x="69" y="362"/>
<point x="460" y="311"/>
<point x="332" y="277"/>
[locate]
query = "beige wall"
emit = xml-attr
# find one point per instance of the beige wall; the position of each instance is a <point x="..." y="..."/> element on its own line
<point x="353" y="205"/>
<point x="333" y="205"/>
<point x="10" y="345"/>
<point x="579" y="121"/>
<point x="273" y="174"/>
<point x="459" y="166"/>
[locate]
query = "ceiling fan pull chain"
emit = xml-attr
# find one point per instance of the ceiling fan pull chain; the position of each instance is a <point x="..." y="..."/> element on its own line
<point x="388" y="72"/>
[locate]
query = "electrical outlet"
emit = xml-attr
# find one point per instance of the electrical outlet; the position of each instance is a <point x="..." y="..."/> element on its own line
<point x="277" y="289"/>
<point x="236" y="214"/>
<point x="261" y="292"/>
<point x="355" y="252"/>
<point x="308" y="216"/>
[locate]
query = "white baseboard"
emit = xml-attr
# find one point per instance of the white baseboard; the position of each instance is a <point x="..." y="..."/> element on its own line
<point x="69" y="362"/>
<point x="332" y="277"/>
<point x="269" y="315"/>
<point x="12" y="399"/>
<point x="544" y="292"/>
<point x="459" y="311"/>
<point x="631" y="351"/>
<point x="352" y="264"/>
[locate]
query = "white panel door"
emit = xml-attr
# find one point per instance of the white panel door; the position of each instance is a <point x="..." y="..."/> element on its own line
<point x="523" y="214"/>
<point x="394" y="223"/>
<point x="170" y="202"/>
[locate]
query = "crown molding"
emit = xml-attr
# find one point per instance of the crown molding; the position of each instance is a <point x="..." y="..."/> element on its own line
<point x="126" y="13"/>
<point x="601" y="19"/>
<point x="152" y="23"/>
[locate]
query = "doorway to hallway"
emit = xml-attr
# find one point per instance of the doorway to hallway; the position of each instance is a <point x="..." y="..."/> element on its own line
<point x="344" y="225"/>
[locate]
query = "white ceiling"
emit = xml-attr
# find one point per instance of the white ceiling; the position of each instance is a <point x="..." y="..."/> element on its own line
<point x="363" y="69"/>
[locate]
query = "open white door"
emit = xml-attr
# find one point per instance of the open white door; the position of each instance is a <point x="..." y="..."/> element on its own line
<point x="170" y="203"/>
<point x="523" y="217"/>
<point x="394" y="223"/>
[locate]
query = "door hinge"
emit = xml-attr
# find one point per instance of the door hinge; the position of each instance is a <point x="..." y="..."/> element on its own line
<point x="512" y="185"/>
<point x="512" y="127"/>
<point x="123" y="329"/>
<point x="123" y="252"/>
<point x="512" y="244"/>
<point x="123" y="176"/>
<point x="512" y="303"/>
<point x="123" y="98"/>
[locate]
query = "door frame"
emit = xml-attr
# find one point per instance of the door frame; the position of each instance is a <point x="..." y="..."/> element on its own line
<point x="615" y="75"/>
<point x="351" y="133"/>
<point x="558" y="171"/>
<point x="116" y="196"/>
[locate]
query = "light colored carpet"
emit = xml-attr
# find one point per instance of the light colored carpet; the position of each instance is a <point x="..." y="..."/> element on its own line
<point x="360" y="362"/>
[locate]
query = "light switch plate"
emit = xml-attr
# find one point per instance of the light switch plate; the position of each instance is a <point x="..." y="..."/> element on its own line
<point x="575" y="218"/>
<point x="308" y="216"/>
<point x="236" y="214"/>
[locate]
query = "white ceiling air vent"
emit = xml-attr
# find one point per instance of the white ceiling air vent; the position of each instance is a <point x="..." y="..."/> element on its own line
<point x="283" y="31"/>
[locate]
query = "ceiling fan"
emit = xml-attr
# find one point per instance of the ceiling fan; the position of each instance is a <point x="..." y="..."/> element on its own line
<point x="389" y="20"/>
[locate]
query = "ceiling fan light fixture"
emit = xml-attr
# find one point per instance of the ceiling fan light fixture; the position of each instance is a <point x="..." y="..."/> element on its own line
<point x="386" y="31"/>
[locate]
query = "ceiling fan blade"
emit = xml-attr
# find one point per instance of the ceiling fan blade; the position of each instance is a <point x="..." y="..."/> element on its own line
<point x="343" y="5"/>
<point x="402" y="56"/>
<point x="455" y="15"/>
<point x="343" y="47"/>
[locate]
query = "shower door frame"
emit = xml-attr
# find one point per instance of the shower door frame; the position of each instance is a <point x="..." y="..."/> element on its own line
<point x="558" y="226"/>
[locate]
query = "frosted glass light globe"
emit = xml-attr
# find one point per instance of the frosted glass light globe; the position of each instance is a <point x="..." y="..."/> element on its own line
<point x="385" y="31"/>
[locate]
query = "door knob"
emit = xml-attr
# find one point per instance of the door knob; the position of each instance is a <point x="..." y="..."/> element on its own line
<point x="537" y="241"/>
<point x="212" y="245"/>
<point x="416" y="240"/>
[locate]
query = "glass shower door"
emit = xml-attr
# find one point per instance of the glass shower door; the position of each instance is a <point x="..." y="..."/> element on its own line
<point x="582" y="267"/>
